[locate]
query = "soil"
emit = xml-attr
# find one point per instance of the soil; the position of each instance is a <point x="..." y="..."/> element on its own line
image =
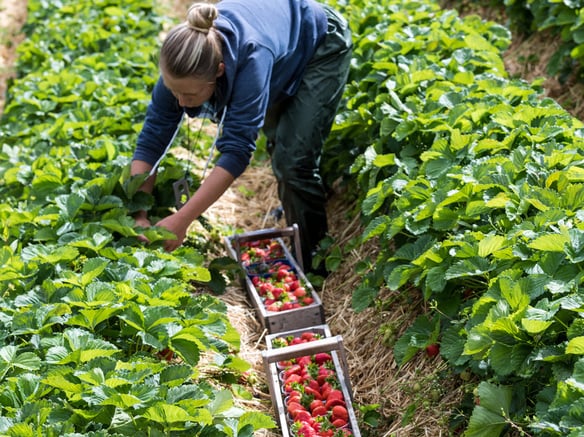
<point x="374" y="376"/>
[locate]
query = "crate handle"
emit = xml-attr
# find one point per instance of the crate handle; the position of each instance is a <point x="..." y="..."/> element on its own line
<point x="310" y="348"/>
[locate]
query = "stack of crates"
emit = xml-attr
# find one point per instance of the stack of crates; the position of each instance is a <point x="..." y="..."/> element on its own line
<point x="292" y="312"/>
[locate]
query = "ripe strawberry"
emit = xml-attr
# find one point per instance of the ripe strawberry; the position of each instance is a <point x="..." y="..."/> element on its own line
<point x="282" y="273"/>
<point x="311" y="391"/>
<point x="334" y="402"/>
<point x="313" y="384"/>
<point x="294" y="284"/>
<point x="315" y="404"/>
<point x="308" y="336"/>
<point x="294" y="407"/>
<point x="432" y="350"/>
<point x="277" y="292"/>
<point x="335" y="394"/>
<point x="322" y="358"/>
<point x="300" y="292"/>
<point x="294" y="369"/>
<point x="273" y="307"/>
<point x="302" y="416"/>
<point x="340" y="412"/>
<point x="307" y="300"/>
<point x="339" y="423"/>
<point x="292" y="379"/>
<point x="166" y="354"/>
<point x="319" y="411"/>
<point x="304" y="361"/>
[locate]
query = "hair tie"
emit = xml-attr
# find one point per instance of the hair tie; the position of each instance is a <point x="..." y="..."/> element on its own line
<point x="199" y="29"/>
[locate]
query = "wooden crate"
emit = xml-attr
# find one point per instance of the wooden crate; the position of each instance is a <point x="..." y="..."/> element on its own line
<point x="332" y="345"/>
<point x="233" y="242"/>
<point x="285" y="320"/>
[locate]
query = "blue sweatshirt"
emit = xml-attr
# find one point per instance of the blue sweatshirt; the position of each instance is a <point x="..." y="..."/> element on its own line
<point x="266" y="47"/>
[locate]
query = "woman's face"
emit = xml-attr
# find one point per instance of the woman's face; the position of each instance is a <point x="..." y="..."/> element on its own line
<point x="190" y="92"/>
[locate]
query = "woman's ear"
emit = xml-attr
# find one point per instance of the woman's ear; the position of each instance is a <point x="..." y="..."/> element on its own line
<point x="220" y="69"/>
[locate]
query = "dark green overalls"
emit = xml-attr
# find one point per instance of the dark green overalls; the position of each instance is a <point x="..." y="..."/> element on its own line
<point x="297" y="128"/>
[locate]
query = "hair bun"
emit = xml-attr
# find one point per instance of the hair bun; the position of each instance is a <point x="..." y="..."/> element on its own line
<point x="201" y="16"/>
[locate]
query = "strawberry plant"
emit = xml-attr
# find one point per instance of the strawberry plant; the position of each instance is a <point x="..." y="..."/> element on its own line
<point x="470" y="183"/>
<point x="102" y="335"/>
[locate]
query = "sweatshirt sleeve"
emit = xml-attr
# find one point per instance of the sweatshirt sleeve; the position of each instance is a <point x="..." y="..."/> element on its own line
<point x="245" y="111"/>
<point x="162" y="120"/>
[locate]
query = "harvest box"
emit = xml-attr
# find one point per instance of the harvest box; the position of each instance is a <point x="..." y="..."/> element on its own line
<point x="280" y="360"/>
<point x="284" y="299"/>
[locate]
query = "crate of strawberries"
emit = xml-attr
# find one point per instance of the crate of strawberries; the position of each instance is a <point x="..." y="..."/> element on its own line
<point x="265" y="245"/>
<point x="309" y="384"/>
<point x="283" y="297"/>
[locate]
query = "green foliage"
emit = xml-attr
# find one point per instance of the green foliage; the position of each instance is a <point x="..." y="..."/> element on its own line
<point x="471" y="184"/>
<point x="90" y="317"/>
<point x="561" y="18"/>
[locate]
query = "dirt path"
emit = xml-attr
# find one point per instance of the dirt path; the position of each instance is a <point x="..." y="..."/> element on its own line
<point x="12" y="17"/>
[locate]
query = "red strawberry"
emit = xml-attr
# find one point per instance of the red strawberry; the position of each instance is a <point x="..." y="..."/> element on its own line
<point x="333" y="402"/>
<point x="432" y="350"/>
<point x="313" y="383"/>
<point x="319" y="411"/>
<point x="315" y="404"/>
<point x="304" y="361"/>
<point x="335" y="394"/>
<point x="307" y="300"/>
<point x="339" y="423"/>
<point x="294" y="407"/>
<point x="311" y="391"/>
<point x="302" y="416"/>
<point x="340" y="412"/>
<point x="300" y="292"/>
<point x="322" y="358"/>
<point x="273" y="307"/>
<point x="295" y="368"/>
<point x="277" y="292"/>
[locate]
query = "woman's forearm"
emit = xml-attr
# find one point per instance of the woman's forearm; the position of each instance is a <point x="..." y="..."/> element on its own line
<point x="210" y="190"/>
<point x="140" y="167"/>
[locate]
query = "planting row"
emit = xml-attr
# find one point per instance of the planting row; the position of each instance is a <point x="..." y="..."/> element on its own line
<point x="305" y="366"/>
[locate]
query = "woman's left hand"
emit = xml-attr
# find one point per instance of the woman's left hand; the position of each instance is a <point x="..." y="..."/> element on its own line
<point x="177" y="225"/>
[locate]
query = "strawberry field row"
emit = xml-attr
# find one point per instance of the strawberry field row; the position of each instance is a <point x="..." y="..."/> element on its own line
<point x="558" y="18"/>
<point x="101" y="335"/>
<point x="471" y="184"/>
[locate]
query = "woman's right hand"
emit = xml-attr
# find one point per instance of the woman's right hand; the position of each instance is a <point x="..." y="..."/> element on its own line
<point x="142" y="221"/>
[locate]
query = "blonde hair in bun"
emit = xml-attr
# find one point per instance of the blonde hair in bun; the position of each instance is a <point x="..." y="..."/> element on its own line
<point x="193" y="48"/>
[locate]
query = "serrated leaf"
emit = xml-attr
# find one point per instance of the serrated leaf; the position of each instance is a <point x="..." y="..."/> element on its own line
<point x="488" y="418"/>
<point x="575" y="346"/>
<point x="257" y="420"/>
<point x="168" y="414"/>
<point x="491" y="244"/>
<point x="363" y="297"/>
<point x="535" y="327"/>
<point x="550" y="242"/>
<point x="175" y="375"/>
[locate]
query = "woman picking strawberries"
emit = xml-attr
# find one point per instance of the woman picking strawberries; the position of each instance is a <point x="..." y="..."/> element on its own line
<point x="276" y="65"/>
